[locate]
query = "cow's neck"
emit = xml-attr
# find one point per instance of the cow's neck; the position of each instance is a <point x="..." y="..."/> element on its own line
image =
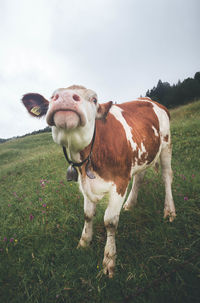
<point x="75" y="141"/>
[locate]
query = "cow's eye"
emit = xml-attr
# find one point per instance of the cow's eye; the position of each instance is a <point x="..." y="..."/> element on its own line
<point x="94" y="100"/>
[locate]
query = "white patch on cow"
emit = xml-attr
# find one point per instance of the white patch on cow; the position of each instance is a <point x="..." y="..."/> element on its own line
<point x="164" y="124"/>
<point x="142" y="150"/>
<point x="117" y="113"/>
<point x="94" y="189"/>
<point x="155" y="131"/>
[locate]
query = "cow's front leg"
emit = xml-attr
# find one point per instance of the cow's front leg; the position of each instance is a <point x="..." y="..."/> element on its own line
<point x="89" y="212"/>
<point x="111" y="219"/>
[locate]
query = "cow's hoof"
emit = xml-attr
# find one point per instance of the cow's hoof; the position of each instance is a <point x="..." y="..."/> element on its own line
<point x="127" y="207"/>
<point x="169" y="214"/>
<point x="109" y="266"/>
<point x="83" y="244"/>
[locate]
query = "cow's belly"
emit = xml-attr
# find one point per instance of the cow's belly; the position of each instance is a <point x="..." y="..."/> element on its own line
<point x="94" y="189"/>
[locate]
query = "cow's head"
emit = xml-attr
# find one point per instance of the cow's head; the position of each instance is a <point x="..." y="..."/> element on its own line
<point x="71" y="112"/>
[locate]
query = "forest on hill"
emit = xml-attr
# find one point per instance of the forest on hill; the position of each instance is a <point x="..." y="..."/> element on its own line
<point x="177" y="94"/>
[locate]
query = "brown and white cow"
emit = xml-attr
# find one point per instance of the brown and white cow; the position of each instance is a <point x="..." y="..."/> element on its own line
<point x="130" y="137"/>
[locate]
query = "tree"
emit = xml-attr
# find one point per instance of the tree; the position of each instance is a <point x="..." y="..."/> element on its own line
<point x="197" y="76"/>
<point x="177" y="94"/>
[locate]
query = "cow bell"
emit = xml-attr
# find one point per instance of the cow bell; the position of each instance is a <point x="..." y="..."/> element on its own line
<point x="72" y="173"/>
<point x="88" y="171"/>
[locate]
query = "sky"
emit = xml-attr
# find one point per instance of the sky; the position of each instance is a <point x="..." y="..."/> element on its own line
<point x="119" y="48"/>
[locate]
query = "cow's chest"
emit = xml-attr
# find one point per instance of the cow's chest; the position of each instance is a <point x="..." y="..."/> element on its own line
<point x="94" y="189"/>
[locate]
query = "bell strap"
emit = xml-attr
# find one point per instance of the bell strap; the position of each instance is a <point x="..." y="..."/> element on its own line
<point x="86" y="159"/>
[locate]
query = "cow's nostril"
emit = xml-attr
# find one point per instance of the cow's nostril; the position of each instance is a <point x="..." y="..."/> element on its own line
<point x="76" y="97"/>
<point x="55" y="97"/>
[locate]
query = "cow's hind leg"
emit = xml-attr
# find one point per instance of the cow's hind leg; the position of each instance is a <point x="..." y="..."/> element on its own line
<point x="89" y="212"/>
<point x="167" y="175"/>
<point x="111" y="219"/>
<point x="132" y="198"/>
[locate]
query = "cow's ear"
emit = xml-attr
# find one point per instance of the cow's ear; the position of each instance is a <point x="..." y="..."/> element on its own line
<point x="35" y="104"/>
<point x="103" y="110"/>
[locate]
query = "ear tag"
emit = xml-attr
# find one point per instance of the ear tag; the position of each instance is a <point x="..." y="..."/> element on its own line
<point x="72" y="174"/>
<point x="36" y="110"/>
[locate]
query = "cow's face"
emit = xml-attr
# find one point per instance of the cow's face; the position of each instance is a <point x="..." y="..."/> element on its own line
<point x="70" y="111"/>
<point x="72" y="108"/>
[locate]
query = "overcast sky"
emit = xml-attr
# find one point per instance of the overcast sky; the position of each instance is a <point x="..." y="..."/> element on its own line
<point x="119" y="48"/>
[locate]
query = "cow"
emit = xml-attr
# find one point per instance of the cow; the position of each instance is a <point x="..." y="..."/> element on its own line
<point x="107" y="144"/>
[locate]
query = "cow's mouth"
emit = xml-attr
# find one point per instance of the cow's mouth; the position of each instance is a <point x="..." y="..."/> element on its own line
<point x="65" y="119"/>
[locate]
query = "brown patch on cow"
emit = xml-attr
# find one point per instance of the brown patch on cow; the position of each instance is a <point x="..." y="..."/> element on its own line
<point x="87" y="218"/>
<point x="111" y="226"/>
<point x="158" y="104"/>
<point x="141" y="117"/>
<point x="166" y="138"/>
<point x="112" y="155"/>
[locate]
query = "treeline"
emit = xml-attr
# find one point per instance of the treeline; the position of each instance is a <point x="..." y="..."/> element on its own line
<point x="47" y="129"/>
<point x="44" y="130"/>
<point x="177" y="94"/>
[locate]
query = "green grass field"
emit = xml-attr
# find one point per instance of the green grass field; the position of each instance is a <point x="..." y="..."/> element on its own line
<point x="41" y="220"/>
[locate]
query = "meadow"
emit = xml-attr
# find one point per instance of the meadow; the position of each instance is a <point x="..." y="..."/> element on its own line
<point x="41" y="220"/>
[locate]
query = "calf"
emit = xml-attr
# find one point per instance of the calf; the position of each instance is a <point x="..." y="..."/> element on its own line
<point x="109" y="144"/>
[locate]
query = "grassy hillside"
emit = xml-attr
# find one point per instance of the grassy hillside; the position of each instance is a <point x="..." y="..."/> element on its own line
<point x="41" y="219"/>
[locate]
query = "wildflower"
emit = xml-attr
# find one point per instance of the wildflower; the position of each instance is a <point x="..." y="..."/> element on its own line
<point x="9" y="205"/>
<point x="4" y="239"/>
<point x="42" y="182"/>
<point x="31" y="217"/>
<point x="40" y="199"/>
<point x="15" y="194"/>
<point x="193" y="175"/>
<point x="185" y="198"/>
<point x="44" y="205"/>
<point x="16" y="241"/>
<point x="11" y="240"/>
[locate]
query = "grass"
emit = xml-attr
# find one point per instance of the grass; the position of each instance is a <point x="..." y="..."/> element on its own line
<point x="41" y="219"/>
